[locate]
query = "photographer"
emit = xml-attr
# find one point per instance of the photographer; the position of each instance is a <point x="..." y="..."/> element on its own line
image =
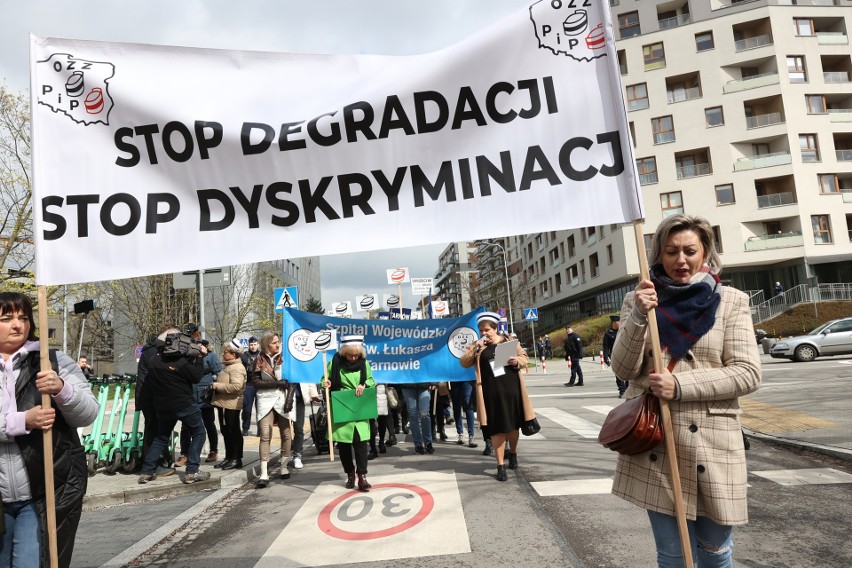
<point x="212" y="367"/>
<point x="173" y="369"/>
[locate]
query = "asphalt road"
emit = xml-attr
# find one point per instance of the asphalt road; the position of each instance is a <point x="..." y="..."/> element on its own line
<point x="554" y="511"/>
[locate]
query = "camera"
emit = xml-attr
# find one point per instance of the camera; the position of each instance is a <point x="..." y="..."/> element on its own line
<point x="181" y="344"/>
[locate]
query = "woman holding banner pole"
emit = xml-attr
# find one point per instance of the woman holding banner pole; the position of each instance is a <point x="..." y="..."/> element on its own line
<point x="350" y="370"/>
<point x="272" y="402"/>
<point x="22" y="425"/>
<point x="708" y="337"/>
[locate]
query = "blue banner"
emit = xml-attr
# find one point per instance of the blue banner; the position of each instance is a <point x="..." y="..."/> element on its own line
<point x="399" y="351"/>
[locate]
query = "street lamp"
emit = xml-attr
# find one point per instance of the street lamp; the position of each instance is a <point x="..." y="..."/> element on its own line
<point x="487" y="244"/>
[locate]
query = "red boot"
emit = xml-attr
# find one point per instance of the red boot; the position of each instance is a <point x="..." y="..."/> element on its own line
<point x="350" y="481"/>
<point x="363" y="485"/>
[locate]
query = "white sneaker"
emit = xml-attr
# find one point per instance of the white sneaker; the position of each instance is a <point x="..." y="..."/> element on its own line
<point x="297" y="463"/>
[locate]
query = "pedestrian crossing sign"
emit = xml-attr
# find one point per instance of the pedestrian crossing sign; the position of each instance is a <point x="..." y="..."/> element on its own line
<point x="285" y="298"/>
<point x="531" y="314"/>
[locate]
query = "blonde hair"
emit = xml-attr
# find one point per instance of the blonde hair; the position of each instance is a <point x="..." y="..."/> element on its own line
<point x="674" y="224"/>
<point x="356" y="348"/>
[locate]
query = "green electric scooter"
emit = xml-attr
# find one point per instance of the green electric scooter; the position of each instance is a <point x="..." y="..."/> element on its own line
<point x="92" y="440"/>
<point x="115" y="442"/>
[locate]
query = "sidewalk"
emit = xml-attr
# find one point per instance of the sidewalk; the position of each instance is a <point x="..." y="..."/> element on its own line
<point x="822" y="425"/>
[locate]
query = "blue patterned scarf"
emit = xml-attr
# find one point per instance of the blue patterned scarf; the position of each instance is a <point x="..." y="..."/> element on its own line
<point x="686" y="311"/>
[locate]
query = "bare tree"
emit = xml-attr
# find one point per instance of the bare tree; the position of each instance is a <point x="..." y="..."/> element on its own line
<point x="16" y="237"/>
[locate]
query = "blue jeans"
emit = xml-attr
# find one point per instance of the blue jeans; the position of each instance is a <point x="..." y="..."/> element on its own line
<point x="190" y="418"/>
<point x="712" y="544"/>
<point x="418" y="400"/>
<point x="21" y="544"/>
<point x="462" y="395"/>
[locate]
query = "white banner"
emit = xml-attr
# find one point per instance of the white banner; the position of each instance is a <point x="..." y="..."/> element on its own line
<point x="398" y="275"/>
<point x="367" y="302"/>
<point x="144" y="156"/>
<point x="342" y="309"/>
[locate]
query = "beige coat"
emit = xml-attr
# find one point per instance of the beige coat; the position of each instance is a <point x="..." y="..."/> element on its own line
<point x="231" y="384"/>
<point x="705" y="419"/>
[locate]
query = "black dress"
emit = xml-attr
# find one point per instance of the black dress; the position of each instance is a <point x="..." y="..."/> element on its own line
<point x="502" y="395"/>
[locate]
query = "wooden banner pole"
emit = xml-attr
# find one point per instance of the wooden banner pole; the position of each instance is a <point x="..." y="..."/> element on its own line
<point x="49" y="494"/>
<point x="328" y="404"/>
<point x="668" y="432"/>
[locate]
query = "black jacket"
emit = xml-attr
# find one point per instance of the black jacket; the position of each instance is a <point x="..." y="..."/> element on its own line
<point x="145" y="397"/>
<point x="170" y="378"/>
<point x="70" y="476"/>
<point x="573" y="346"/>
<point x="609" y="342"/>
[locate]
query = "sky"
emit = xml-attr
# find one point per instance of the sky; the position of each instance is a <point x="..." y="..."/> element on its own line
<point x="386" y="27"/>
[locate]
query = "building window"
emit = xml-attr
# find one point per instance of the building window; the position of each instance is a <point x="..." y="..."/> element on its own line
<point x="593" y="265"/>
<point x="637" y="97"/>
<point x="647" y="168"/>
<point x="717" y="239"/>
<point x="628" y="24"/>
<point x="632" y="130"/>
<point x="609" y="259"/>
<point x="803" y="26"/>
<point x="649" y="241"/>
<point x="822" y="229"/>
<point x="796" y="69"/>
<point x="654" y="56"/>
<point x="704" y="41"/>
<point x="828" y="183"/>
<point x="816" y="104"/>
<point x="571" y="246"/>
<point x="663" y="128"/>
<point x="809" y="146"/>
<point x="725" y="194"/>
<point x="671" y="203"/>
<point x="622" y="61"/>
<point x="714" y="116"/>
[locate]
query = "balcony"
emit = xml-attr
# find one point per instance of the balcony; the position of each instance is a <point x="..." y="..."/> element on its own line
<point x="685" y="172"/>
<point x="681" y="95"/>
<point x="776" y="199"/>
<point x="629" y="31"/>
<point x="836" y="77"/>
<point x="840" y="114"/>
<point x="753" y="82"/>
<point x="763" y="161"/>
<point x="847" y="195"/>
<point x="832" y="38"/>
<point x="637" y="104"/>
<point x="761" y="120"/>
<point x="781" y="240"/>
<point x="675" y="21"/>
<point x="647" y="179"/>
<point x="753" y="42"/>
<point x="841" y="155"/>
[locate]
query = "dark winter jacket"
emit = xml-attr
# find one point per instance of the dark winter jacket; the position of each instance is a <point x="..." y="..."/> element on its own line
<point x="70" y="476"/>
<point x="609" y="343"/>
<point x="171" y="378"/>
<point x="573" y="346"/>
<point x="145" y="396"/>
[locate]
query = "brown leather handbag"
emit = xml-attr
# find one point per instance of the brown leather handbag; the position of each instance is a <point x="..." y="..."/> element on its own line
<point x="634" y="426"/>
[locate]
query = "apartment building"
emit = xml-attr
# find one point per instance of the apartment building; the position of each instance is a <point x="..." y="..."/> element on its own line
<point x="740" y="112"/>
<point x="455" y="280"/>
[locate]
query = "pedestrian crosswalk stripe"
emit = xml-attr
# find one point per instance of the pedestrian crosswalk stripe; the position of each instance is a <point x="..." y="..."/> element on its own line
<point x="600" y="409"/>
<point x="573" y="487"/>
<point x="578" y="425"/>
<point x="817" y="476"/>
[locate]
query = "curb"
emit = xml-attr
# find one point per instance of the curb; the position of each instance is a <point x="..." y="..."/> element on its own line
<point x="837" y="453"/>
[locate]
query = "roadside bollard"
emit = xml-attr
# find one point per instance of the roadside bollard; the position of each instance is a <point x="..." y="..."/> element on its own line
<point x="544" y="365"/>
<point x="602" y="360"/>
<point x="569" y="364"/>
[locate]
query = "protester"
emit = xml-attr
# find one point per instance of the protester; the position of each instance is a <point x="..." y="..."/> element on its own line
<point x="212" y="366"/>
<point x="440" y="403"/>
<point x="273" y="404"/>
<point x="24" y="420"/>
<point x="418" y="403"/>
<point x="574" y="353"/>
<point x="145" y="403"/>
<point x="349" y="370"/>
<point x="173" y="368"/>
<point x="461" y="393"/>
<point x="248" y="358"/>
<point x="608" y="343"/>
<point x="228" y="395"/>
<point x="385" y="421"/>
<point x="710" y="361"/>
<point x="502" y="405"/>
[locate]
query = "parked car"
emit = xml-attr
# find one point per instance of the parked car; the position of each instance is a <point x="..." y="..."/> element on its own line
<point x="831" y="338"/>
